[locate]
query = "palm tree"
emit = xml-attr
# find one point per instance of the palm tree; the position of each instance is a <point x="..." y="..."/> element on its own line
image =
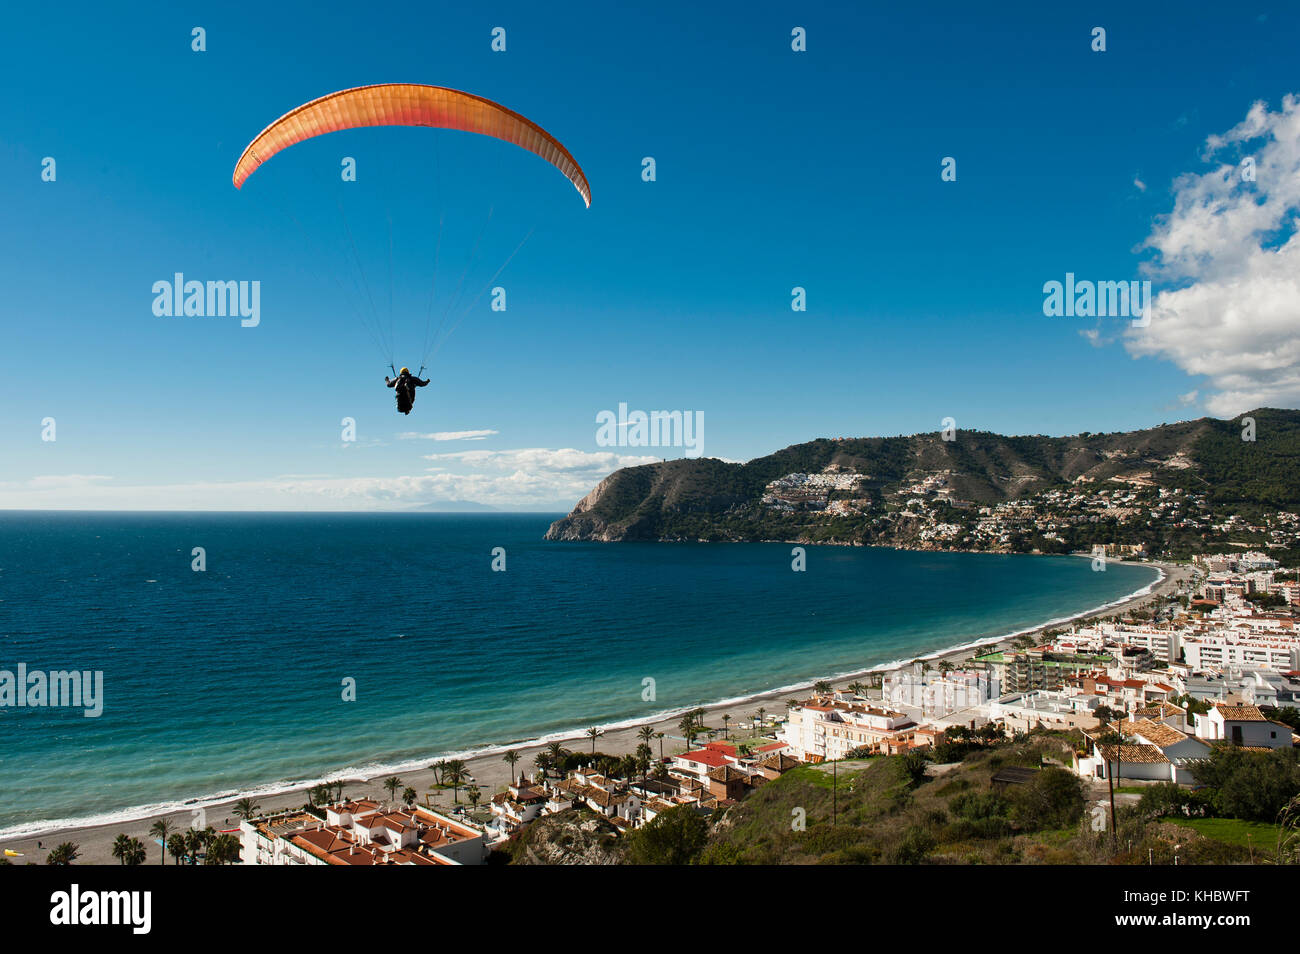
<point x="121" y="847"/>
<point x="473" y="793"/>
<point x="762" y="714"/>
<point x="660" y="737"/>
<point x="176" y="846"/>
<point x="161" y="830"/>
<point x="455" y="773"/>
<point x="594" y="733"/>
<point x="557" y="753"/>
<point x="246" y="808"/>
<point x="135" y="852"/>
<point x="196" y="842"/>
<point x="646" y="733"/>
<point x="64" y="854"/>
<point x="409" y="796"/>
<point x="392" y="783"/>
<point x="437" y="768"/>
<point x="222" y="850"/>
<point x="822" y="687"/>
<point x="689" y="729"/>
<point x="511" y="758"/>
<point x="726" y="717"/>
<point x="543" y="761"/>
<point x="644" y="755"/>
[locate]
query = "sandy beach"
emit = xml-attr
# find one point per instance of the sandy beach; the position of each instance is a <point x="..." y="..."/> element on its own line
<point x="489" y="771"/>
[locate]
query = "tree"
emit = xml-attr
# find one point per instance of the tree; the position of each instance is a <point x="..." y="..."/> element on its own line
<point x="1053" y="798"/>
<point x="689" y="729"/>
<point x="409" y="796"/>
<point x="176" y="846"/>
<point x="246" y="808"/>
<point x="660" y="737"/>
<point x="822" y="687"/>
<point x="473" y="793"/>
<point x="915" y="764"/>
<point x="674" y="837"/>
<point x="511" y="758"/>
<point x="455" y="773"/>
<point x="63" y="854"/>
<point x="543" y="762"/>
<point x="1255" y="786"/>
<point x="392" y="783"/>
<point x="161" y="830"/>
<point x="222" y="849"/>
<point x="135" y="853"/>
<point x="726" y="717"/>
<point x="557" y="754"/>
<point x="121" y="846"/>
<point x="594" y="733"/>
<point x="437" y="768"/>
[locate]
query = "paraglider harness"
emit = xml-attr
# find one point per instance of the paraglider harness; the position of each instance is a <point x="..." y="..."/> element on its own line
<point x="405" y="389"/>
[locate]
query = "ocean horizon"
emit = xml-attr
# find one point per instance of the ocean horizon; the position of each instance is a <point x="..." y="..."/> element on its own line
<point x="232" y="679"/>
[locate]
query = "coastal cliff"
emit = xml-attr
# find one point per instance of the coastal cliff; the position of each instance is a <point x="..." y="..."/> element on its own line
<point x="1163" y="490"/>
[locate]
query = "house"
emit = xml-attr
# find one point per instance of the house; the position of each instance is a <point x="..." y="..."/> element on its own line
<point x="1143" y="762"/>
<point x="1156" y="752"/>
<point x="1242" y="725"/>
<point x="774" y="766"/>
<point x="519" y="804"/>
<point x="361" y="833"/>
<point x="826" y="728"/>
<point x="699" y="763"/>
<point x="1166" y="713"/>
<point x="726" y="782"/>
<point x="602" y="795"/>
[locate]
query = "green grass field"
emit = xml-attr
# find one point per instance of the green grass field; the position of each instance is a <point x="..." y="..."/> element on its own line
<point x="1234" y="831"/>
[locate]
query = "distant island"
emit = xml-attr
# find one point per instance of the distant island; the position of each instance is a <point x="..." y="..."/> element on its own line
<point x="1166" y="491"/>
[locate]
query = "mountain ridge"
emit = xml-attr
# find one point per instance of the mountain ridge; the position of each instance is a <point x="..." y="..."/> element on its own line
<point x="882" y="490"/>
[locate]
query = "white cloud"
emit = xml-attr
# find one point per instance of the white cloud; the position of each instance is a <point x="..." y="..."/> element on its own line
<point x="447" y="435"/>
<point x="567" y="460"/>
<point x="1231" y="251"/>
<point x="59" y="481"/>
<point x="522" y="479"/>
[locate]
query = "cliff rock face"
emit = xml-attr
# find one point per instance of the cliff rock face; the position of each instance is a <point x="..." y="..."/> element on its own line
<point x="869" y="490"/>
<point x="573" y="837"/>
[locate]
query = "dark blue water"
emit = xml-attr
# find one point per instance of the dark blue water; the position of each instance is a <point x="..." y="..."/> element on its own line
<point x="232" y="679"/>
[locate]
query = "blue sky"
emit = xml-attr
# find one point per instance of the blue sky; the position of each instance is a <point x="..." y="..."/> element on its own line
<point x="819" y="169"/>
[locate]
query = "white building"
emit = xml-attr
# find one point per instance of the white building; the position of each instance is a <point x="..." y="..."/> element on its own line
<point x="828" y="728"/>
<point x="361" y="833"/>
<point x="1242" y="725"/>
<point x="937" y="692"/>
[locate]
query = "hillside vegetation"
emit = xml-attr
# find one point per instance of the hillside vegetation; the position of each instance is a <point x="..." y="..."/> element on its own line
<point x="707" y="499"/>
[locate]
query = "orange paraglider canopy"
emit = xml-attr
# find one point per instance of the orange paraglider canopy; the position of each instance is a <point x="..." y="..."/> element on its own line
<point x="407" y="104"/>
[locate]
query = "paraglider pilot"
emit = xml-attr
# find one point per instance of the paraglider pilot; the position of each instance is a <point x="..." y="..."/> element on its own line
<point x="405" y="385"/>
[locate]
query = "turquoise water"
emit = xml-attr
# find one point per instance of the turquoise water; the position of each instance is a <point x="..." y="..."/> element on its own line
<point x="232" y="679"/>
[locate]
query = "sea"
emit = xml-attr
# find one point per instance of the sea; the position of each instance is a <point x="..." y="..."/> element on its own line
<point x="255" y="652"/>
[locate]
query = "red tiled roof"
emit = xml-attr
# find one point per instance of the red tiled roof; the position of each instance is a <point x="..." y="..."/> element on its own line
<point x="706" y="757"/>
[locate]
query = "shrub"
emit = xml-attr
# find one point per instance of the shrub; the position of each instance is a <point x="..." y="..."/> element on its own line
<point x="917" y="843"/>
<point x="1053" y="798"/>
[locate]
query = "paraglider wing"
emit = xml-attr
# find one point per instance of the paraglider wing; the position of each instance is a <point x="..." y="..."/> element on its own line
<point x="407" y="104"/>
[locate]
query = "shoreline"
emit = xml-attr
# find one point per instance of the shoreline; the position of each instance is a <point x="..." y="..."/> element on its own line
<point x="95" y="834"/>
